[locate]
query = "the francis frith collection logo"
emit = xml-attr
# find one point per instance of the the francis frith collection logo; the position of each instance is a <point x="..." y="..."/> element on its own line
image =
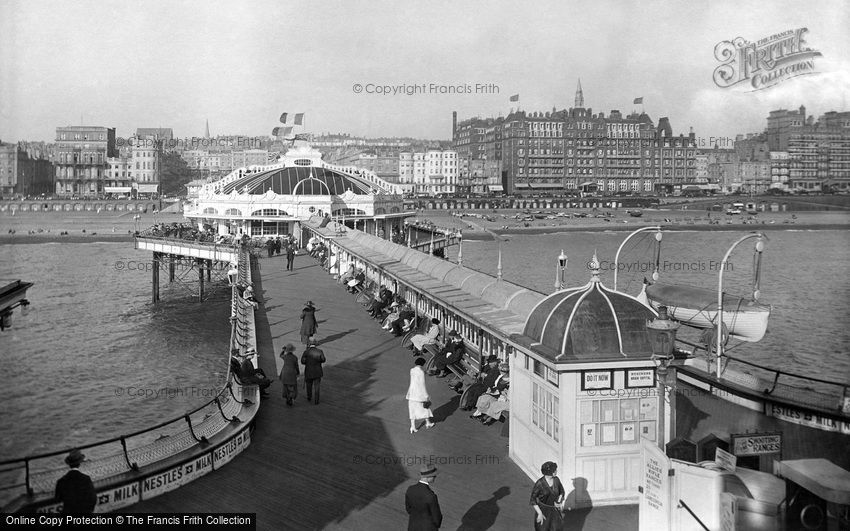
<point x="766" y="62"/>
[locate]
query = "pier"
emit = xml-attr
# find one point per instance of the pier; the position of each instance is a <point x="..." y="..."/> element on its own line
<point x="346" y="463"/>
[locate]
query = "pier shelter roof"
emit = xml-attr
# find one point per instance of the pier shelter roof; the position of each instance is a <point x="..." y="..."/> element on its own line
<point x="591" y="323"/>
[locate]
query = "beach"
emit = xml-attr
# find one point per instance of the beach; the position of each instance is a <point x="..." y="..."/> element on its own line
<point x="504" y="222"/>
<point x="81" y="227"/>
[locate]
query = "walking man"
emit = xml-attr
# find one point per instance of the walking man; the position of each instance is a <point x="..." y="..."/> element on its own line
<point x="312" y="360"/>
<point x="289" y="373"/>
<point x="422" y="504"/>
<point x="76" y="490"/>
<point x="290" y="256"/>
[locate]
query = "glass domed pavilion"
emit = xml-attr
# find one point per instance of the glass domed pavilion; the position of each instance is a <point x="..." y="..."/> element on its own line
<point x="272" y="200"/>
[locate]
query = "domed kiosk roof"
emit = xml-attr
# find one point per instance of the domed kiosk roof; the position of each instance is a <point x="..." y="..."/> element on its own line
<point x="590" y="323"/>
<point x="298" y="180"/>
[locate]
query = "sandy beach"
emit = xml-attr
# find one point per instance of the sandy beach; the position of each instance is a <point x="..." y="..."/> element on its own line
<point x="504" y="222"/>
<point x="38" y="227"/>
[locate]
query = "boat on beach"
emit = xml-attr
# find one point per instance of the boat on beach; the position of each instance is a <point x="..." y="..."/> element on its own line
<point x="745" y="319"/>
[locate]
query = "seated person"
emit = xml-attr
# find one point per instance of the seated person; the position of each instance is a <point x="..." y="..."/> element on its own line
<point x="450" y="354"/>
<point x="348" y="275"/>
<point x="381" y="301"/>
<point x="495" y="399"/>
<point x="248" y="295"/>
<point x="428" y="338"/>
<point x="359" y="278"/>
<point x="405" y="316"/>
<point x="394" y="311"/>
<point x="248" y="375"/>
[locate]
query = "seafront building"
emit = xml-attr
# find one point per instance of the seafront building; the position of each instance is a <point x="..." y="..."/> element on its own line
<point x="576" y="150"/>
<point x="24" y="171"/>
<point x="81" y="156"/>
<point x="818" y="150"/>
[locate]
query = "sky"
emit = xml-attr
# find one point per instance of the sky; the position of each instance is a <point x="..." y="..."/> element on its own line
<point x="240" y="65"/>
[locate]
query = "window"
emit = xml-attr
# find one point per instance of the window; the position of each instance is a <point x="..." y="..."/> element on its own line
<point x="544" y="410"/>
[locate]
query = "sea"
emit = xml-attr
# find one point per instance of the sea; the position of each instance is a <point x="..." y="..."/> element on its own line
<point x="93" y="358"/>
<point x="805" y="278"/>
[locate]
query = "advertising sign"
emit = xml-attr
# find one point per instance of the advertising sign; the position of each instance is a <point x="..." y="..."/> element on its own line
<point x="756" y="443"/>
<point x="596" y="380"/>
<point x="653" y="512"/>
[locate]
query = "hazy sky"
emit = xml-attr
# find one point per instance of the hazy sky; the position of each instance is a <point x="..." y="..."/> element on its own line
<point x="176" y="64"/>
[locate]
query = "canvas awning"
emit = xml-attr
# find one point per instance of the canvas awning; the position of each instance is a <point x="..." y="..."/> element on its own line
<point x="148" y="188"/>
<point x="117" y="189"/>
<point x="521" y="185"/>
<point x="545" y="185"/>
<point x="588" y="183"/>
<point x="495" y="187"/>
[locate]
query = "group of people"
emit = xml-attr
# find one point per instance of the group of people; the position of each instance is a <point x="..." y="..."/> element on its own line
<point x="353" y="278"/>
<point x="318" y="250"/>
<point x="281" y="244"/>
<point x="312" y="359"/>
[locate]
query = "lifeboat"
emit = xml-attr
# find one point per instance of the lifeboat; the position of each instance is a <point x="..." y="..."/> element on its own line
<point x="745" y="319"/>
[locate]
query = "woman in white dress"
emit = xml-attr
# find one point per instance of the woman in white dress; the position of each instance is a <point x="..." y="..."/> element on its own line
<point x="417" y="396"/>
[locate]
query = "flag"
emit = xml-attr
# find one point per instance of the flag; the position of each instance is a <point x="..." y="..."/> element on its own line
<point x="276" y="131"/>
<point x="515" y="97"/>
<point x="299" y="118"/>
<point x="283" y="117"/>
<point x="285" y="131"/>
<point x="302" y="136"/>
<point x="639" y="100"/>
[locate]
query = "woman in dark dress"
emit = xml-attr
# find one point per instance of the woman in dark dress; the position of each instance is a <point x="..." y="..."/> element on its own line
<point x="546" y="496"/>
<point x="308" y="322"/>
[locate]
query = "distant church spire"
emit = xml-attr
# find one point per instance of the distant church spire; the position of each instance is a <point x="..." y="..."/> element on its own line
<point x="579" y="97"/>
<point x="207" y="132"/>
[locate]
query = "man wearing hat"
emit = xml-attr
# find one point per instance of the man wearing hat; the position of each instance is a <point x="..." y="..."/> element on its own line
<point x="76" y="490"/>
<point x="421" y="502"/>
<point x="312" y="359"/>
<point x="450" y="354"/>
<point x="289" y="373"/>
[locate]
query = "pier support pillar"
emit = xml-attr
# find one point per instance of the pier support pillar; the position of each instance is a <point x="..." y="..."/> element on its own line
<point x="209" y="270"/>
<point x="155" y="278"/>
<point x="171" y="258"/>
<point x="200" y="262"/>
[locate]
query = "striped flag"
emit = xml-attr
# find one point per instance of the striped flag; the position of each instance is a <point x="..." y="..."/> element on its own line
<point x="515" y="97"/>
<point x="283" y="117"/>
<point x="285" y="131"/>
<point x="302" y="136"/>
<point x="639" y="100"/>
<point x="276" y="131"/>
<point x="299" y="118"/>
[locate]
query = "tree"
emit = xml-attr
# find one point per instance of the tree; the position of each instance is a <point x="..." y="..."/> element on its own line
<point x="175" y="174"/>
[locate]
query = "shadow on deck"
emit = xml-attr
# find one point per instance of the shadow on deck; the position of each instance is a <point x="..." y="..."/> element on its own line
<point x="347" y="462"/>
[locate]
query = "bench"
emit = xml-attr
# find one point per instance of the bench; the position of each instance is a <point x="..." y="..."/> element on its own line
<point x="466" y="369"/>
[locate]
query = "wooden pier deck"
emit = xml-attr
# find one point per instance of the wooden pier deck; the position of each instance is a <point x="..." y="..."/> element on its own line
<point x="347" y="462"/>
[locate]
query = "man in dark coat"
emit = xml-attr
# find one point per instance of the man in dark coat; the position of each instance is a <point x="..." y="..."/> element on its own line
<point x="422" y="504"/>
<point x="76" y="490"/>
<point x="289" y="373"/>
<point x="309" y="326"/>
<point x="290" y="256"/>
<point x="312" y="360"/>
<point x="449" y="355"/>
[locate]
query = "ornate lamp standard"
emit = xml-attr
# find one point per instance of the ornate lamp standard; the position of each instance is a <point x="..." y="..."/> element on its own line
<point x="560" y="271"/>
<point x="662" y="338"/>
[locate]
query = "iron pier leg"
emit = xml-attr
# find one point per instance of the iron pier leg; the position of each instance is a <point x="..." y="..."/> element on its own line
<point x="200" y="262"/>
<point x="171" y="258"/>
<point x="209" y="270"/>
<point x="155" y="278"/>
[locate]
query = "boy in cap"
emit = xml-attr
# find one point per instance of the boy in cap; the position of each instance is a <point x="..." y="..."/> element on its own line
<point x="76" y="490"/>
<point x="421" y="502"/>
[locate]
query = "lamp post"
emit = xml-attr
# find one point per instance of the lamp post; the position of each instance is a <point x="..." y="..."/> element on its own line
<point x="560" y="273"/>
<point x="662" y="338"/>
<point x="460" y="248"/>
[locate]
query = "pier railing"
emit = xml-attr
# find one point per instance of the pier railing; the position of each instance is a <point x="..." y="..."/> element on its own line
<point x="30" y="480"/>
<point x="827" y="395"/>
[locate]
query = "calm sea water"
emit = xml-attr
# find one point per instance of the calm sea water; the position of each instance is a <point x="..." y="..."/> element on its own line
<point x="94" y="359"/>
<point x="805" y="278"/>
